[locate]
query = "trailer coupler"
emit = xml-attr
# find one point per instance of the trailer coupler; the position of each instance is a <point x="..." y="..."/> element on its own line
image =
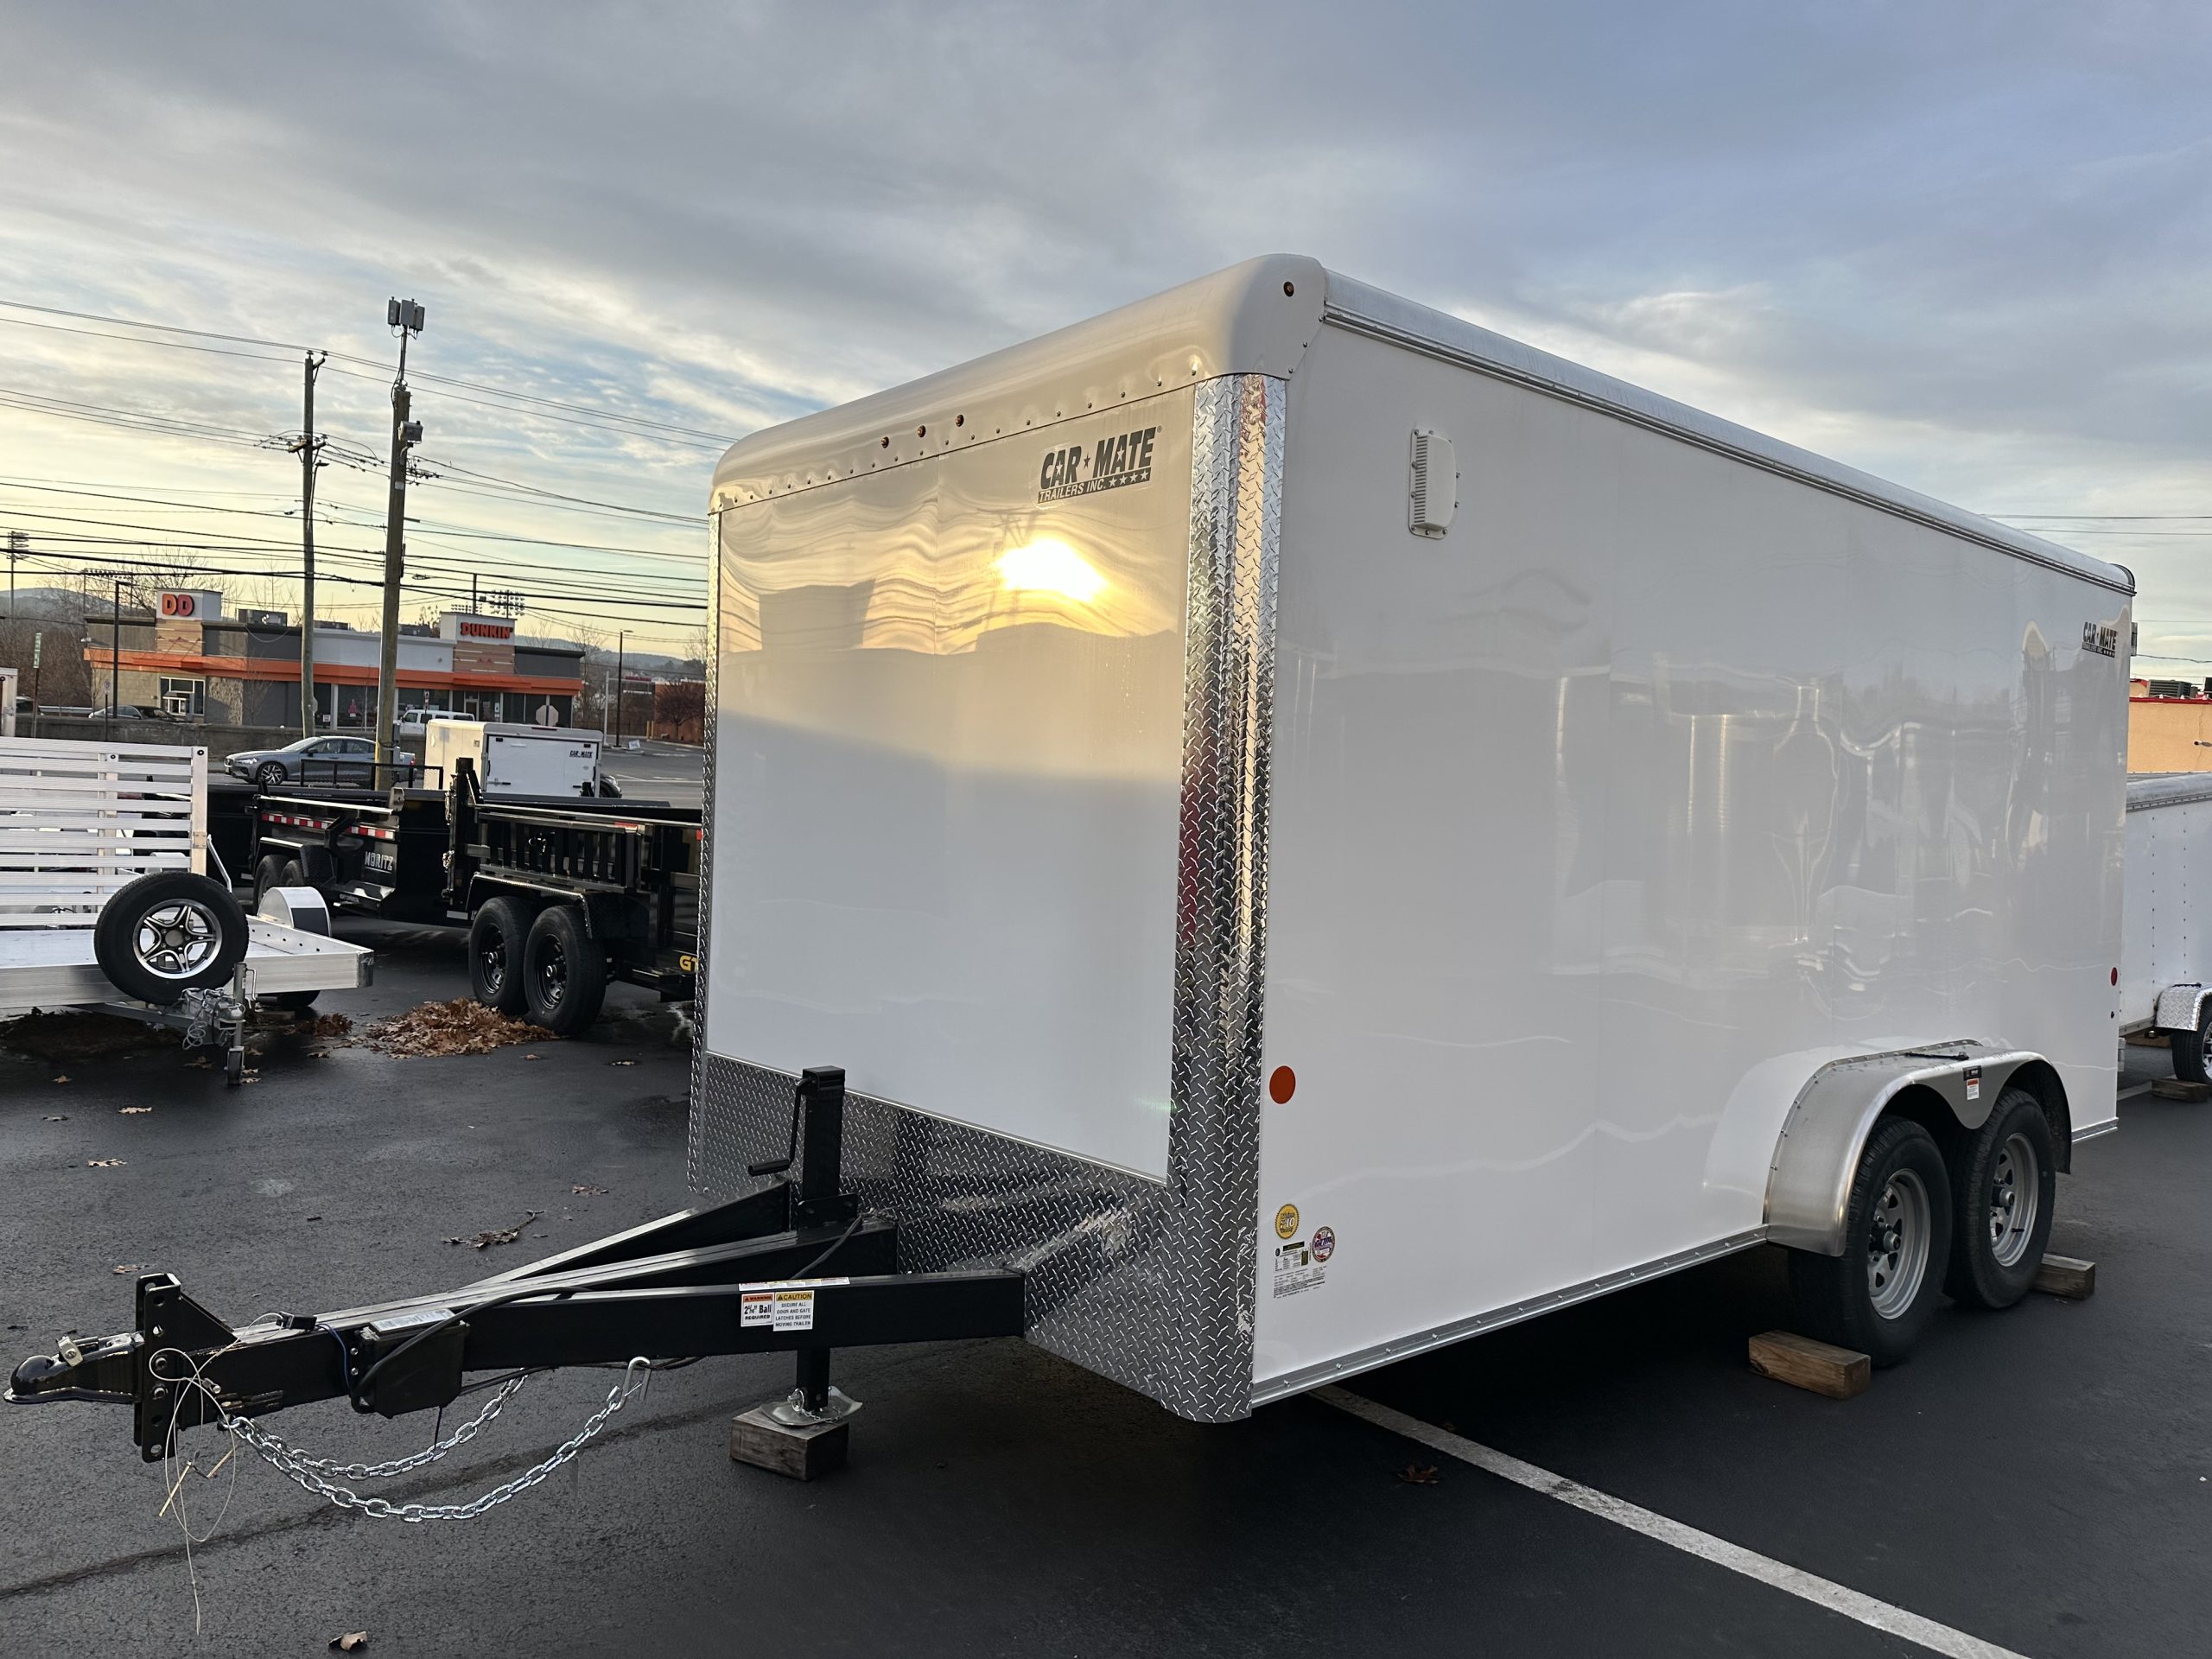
<point x="794" y="1268"/>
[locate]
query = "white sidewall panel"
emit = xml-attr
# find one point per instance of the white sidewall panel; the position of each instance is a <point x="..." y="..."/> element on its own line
<point x="1601" y="821"/>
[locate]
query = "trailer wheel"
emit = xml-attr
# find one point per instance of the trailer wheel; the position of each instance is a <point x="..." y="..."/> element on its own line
<point x="269" y="872"/>
<point x="2005" y="1190"/>
<point x="167" y="933"/>
<point x="1878" y="1296"/>
<point x="2191" y="1050"/>
<point x="564" y="972"/>
<point x="496" y="935"/>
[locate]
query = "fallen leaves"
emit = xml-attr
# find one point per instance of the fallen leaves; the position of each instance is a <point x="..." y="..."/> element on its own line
<point x="1419" y="1474"/>
<point x="352" y="1642"/>
<point x="128" y="1267"/>
<point x="484" y="1240"/>
<point x="621" y="1062"/>
<point x="133" y="1111"/>
<point x="461" y="1026"/>
<point x="584" y="1192"/>
<point x="62" y="1079"/>
<point x="103" y="1163"/>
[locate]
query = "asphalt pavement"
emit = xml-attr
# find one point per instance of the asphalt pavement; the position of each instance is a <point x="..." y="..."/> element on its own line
<point x="2039" y="1479"/>
<point x="657" y="771"/>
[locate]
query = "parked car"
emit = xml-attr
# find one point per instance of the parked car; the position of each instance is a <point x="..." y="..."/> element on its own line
<point x="310" y="761"/>
<point x="413" y="722"/>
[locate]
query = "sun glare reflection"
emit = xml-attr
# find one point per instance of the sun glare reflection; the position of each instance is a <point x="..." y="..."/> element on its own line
<point x="1052" y="567"/>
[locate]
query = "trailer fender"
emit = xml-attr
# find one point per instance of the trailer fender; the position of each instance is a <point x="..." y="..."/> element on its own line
<point x="320" y="869"/>
<point x="2180" y="1007"/>
<point x="1949" y="1087"/>
<point x="301" y="909"/>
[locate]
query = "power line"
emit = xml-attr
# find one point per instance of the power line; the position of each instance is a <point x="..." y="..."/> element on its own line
<point x="715" y="438"/>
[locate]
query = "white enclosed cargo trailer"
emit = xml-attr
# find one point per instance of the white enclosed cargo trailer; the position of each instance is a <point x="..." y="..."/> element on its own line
<point x="1314" y="830"/>
<point x="2165" y="974"/>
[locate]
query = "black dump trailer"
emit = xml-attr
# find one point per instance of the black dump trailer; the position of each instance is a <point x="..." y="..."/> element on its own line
<point x="561" y="895"/>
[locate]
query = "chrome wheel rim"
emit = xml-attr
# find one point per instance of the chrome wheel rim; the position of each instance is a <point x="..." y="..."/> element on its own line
<point x="177" y="940"/>
<point x="2015" y="1196"/>
<point x="1896" y="1245"/>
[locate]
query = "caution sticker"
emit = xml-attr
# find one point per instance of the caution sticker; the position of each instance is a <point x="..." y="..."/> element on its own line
<point x="783" y="1305"/>
<point x="1973" y="1082"/>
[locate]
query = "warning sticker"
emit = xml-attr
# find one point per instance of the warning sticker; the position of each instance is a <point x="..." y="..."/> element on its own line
<point x="1297" y="1268"/>
<point x="1973" y="1082"/>
<point x="785" y="1305"/>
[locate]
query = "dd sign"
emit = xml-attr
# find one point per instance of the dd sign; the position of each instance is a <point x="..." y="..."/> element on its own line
<point x="180" y="605"/>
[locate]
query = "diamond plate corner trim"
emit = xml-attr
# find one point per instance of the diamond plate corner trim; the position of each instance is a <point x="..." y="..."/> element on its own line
<point x="1221" y="933"/>
<point x="1148" y="1283"/>
<point x="697" y="1125"/>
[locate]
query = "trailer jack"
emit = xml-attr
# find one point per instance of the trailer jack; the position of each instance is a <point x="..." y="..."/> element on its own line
<point x="796" y="1266"/>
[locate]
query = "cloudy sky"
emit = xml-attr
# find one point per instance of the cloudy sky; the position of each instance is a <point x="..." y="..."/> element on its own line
<point x="1964" y="245"/>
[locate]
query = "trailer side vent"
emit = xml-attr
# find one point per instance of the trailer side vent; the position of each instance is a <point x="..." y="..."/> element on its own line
<point x="1435" y="483"/>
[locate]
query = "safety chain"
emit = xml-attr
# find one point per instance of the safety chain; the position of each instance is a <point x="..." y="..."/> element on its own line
<point x="413" y="1460"/>
<point x="309" y="1474"/>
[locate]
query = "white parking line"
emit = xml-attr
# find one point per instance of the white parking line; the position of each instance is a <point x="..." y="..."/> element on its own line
<point x="1879" y="1615"/>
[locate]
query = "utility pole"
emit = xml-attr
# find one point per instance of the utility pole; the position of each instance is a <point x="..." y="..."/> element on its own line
<point x="114" y="661"/>
<point x="621" y="682"/>
<point x="310" y="449"/>
<point x="406" y="317"/>
<point x="18" y="545"/>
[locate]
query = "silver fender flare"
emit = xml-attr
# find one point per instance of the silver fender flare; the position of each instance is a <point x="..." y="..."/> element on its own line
<point x="2180" y="1007"/>
<point x="1816" y="1155"/>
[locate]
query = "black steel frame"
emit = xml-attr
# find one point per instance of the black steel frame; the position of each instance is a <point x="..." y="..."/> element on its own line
<point x="672" y="1288"/>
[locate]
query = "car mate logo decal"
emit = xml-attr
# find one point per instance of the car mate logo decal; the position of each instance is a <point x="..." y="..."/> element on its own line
<point x="2101" y="637"/>
<point x="1079" y="469"/>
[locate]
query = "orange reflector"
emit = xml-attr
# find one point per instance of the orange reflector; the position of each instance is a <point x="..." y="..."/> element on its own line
<point x="1282" y="1084"/>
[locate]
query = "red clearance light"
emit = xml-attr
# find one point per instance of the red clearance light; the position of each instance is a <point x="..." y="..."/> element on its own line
<point x="1282" y="1084"/>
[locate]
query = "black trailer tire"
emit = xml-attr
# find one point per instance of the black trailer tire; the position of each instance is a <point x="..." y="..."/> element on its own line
<point x="1879" y="1295"/>
<point x="271" y="774"/>
<point x="167" y="933"/>
<point x="2191" y="1050"/>
<point x="269" y="873"/>
<point x="2005" y="1187"/>
<point x="564" y="971"/>
<point x="496" y="935"/>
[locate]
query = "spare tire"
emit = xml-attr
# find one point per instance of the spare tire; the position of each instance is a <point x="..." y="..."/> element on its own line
<point x="167" y="933"/>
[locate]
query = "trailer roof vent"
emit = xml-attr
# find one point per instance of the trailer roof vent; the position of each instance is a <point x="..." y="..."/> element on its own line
<point x="1435" y="483"/>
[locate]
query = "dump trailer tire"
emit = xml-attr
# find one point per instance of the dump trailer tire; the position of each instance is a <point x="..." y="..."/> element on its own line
<point x="496" y="935"/>
<point x="167" y="933"/>
<point x="564" y="971"/>
<point x="2005" y="1186"/>
<point x="2191" y="1050"/>
<point x="269" y="872"/>
<point x="1879" y="1295"/>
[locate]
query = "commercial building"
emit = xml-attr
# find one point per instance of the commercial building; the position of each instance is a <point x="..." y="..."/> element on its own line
<point x="192" y="659"/>
<point x="2170" y="726"/>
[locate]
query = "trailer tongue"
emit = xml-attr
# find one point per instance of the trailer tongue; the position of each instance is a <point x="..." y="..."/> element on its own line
<point x="796" y="1267"/>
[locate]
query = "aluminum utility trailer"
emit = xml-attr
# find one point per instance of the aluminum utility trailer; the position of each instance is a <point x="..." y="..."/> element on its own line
<point x="83" y="825"/>
<point x="2165" y="966"/>
<point x="1301" y="829"/>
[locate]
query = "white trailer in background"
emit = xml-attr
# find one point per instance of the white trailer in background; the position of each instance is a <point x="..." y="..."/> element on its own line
<point x="106" y="901"/>
<point x="1315" y="830"/>
<point x="2165" y="973"/>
